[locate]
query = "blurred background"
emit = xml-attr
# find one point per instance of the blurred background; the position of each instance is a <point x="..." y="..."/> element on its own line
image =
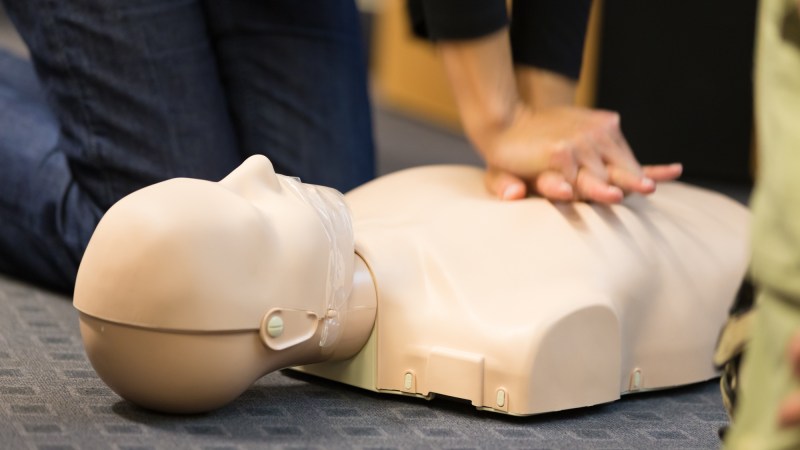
<point x="679" y="73"/>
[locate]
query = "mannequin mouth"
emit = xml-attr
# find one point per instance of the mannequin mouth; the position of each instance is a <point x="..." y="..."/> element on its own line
<point x="334" y="215"/>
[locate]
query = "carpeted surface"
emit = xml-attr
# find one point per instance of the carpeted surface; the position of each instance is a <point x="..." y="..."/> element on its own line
<point x="50" y="398"/>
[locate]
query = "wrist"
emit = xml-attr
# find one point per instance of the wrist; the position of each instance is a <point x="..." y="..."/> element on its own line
<point x="484" y="127"/>
<point x="486" y="132"/>
<point x="541" y="88"/>
<point x="482" y="78"/>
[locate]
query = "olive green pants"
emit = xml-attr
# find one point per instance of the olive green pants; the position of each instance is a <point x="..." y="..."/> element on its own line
<point x="766" y="377"/>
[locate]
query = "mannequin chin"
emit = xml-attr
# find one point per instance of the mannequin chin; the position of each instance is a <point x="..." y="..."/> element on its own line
<point x="190" y="290"/>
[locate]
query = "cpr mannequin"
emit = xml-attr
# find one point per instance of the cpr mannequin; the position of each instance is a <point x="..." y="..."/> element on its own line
<point x="189" y="290"/>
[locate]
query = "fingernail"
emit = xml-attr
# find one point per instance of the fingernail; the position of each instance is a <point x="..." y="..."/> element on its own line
<point x="615" y="191"/>
<point x="565" y="188"/>
<point x="510" y="192"/>
<point x="648" y="182"/>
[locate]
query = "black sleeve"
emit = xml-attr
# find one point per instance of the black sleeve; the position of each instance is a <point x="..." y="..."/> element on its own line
<point x="549" y="34"/>
<point x="456" y="19"/>
<point x="544" y="33"/>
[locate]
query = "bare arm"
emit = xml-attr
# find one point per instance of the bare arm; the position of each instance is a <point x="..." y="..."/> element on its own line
<point x="531" y="137"/>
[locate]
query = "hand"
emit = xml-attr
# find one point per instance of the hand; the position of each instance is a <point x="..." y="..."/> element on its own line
<point x="519" y="121"/>
<point x="567" y="153"/>
<point x="789" y="412"/>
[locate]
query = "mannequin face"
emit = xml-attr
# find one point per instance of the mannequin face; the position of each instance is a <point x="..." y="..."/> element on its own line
<point x="196" y="255"/>
<point x="198" y="268"/>
<point x="296" y="211"/>
<point x="286" y="237"/>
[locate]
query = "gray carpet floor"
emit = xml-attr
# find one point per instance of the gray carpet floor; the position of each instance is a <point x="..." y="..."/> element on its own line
<point x="50" y="398"/>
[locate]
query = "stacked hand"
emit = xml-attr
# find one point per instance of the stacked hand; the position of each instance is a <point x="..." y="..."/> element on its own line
<point x="520" y="119"/>
<point x="567" y="153"/>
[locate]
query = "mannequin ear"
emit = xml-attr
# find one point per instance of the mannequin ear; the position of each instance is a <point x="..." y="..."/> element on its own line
<point x="254" y="174"/>
<point x="284" y="328"/>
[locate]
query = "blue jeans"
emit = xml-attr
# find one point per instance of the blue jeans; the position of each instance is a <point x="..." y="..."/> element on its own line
<point x="134" y="92"/>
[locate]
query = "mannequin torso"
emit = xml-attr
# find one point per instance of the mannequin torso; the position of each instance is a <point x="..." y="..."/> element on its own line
<point x="190" y="290"/>
<point x="526" y="307"/>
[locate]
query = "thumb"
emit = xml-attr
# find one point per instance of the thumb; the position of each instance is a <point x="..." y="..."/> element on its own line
<point x="504" y="185"/>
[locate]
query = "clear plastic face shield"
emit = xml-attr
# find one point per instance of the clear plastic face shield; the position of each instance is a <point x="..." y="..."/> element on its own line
<point x="334" y="216"/>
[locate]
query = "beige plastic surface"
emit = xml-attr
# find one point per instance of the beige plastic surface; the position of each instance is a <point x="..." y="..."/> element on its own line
<point x="181" y="280"/>
<point x="190" y="372"/>
<point x="194" y="255"/>
<point x="181" y="372"/>
<point x="520" y="307"/>
<point x="528" y="307"/>
<point x="361" y="369"/>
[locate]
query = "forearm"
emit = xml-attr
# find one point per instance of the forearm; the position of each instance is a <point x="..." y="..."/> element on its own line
<point x="481" y="76"/>
<point x="488" y="87"/>
<point x="523" y="122"/>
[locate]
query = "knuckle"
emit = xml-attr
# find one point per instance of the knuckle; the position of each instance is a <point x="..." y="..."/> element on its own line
<point x="562" y="148"/>
<point x="614" y="120"/>
<point x="609" y="120"/>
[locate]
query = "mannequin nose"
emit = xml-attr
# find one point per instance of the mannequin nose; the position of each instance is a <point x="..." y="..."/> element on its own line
<point x="254" y="174"/>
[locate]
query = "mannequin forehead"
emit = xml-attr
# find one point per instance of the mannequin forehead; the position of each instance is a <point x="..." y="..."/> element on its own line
<point x="207" y="215"/>
<point x="204" y="205"/>
<point x="190" y="254"/>
<point x="185" y="200"/>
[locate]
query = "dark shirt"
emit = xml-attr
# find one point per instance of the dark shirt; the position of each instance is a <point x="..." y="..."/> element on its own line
<point x="547" y="34"/>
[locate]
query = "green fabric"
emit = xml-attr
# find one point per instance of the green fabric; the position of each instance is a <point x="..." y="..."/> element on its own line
<point x="766" y="379"/>
<point x="766" y="376"/>
<point x="776" y="202"/>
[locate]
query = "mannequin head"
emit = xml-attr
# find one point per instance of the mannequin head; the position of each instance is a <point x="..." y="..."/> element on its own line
<point x="190" y="290"/>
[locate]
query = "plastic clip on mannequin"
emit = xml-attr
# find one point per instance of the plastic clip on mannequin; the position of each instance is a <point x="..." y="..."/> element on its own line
<point x="189" y="290"/>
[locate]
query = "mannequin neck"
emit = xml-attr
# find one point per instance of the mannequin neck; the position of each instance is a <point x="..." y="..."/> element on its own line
<point x="357" y="320"/>
<point x="359" y="315"/>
